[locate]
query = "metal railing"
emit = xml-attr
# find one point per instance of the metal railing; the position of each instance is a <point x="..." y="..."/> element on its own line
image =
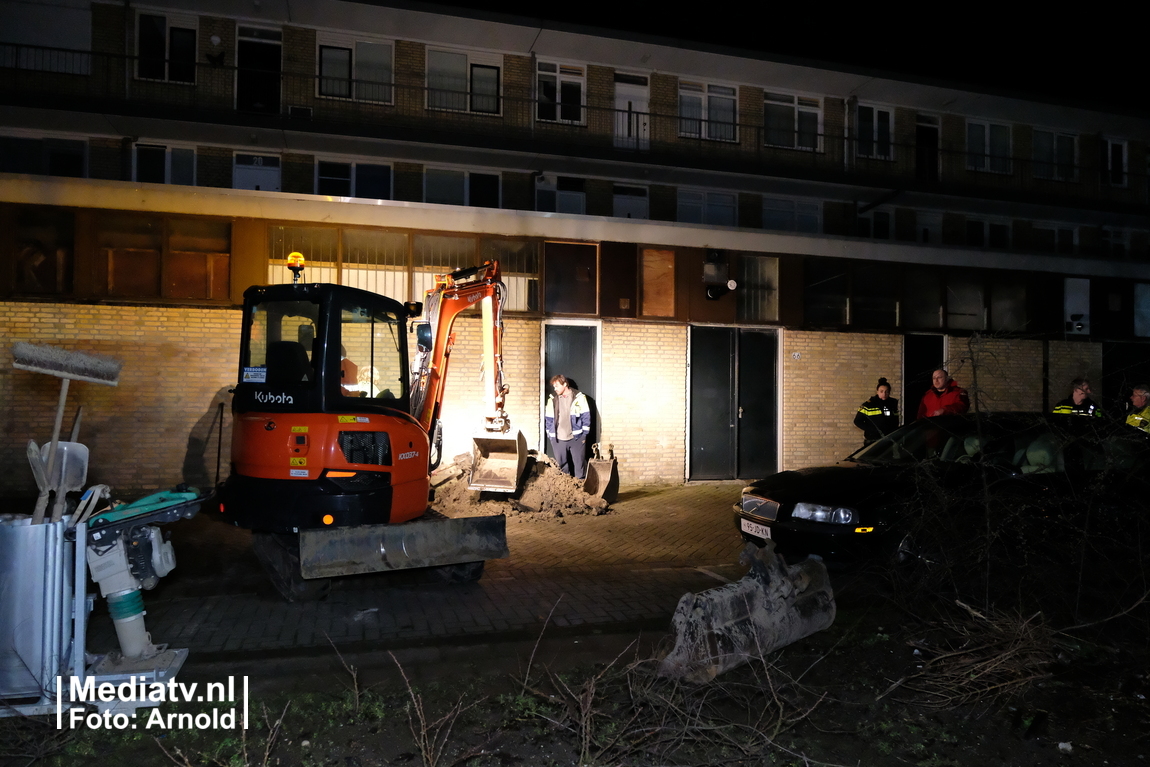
<point x="218" y="93"/>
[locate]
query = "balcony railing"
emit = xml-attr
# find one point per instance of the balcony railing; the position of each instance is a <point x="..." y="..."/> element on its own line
<point x="216" y="93"/>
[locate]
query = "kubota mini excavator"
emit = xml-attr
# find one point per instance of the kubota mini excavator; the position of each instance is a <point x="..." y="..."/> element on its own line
<point x="333" y="438"/>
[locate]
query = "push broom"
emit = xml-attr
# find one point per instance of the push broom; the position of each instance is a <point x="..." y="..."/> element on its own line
<point x="68" y="366"/>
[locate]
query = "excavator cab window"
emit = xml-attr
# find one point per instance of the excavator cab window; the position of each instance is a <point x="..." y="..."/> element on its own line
<point x="281" y="348"/>
<point x="371" y="360"/>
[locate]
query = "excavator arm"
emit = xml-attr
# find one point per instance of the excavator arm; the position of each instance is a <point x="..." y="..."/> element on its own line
<point x="498" y="459"/>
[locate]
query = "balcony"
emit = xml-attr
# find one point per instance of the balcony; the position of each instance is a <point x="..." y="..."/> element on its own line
<point x="57" y="78"/>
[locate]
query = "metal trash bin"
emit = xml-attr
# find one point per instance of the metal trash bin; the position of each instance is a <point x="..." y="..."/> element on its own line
<point x="36" y="581"/>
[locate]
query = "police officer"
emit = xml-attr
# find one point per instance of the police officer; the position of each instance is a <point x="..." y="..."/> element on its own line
<point x="878" y="416"/>
<point x="1079" y="402"/>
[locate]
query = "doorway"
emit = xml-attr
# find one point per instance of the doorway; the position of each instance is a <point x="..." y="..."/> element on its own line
<point x="921" y="356"/>
<point x="734" y="403"/>
<point x="926" y="154"/>
<point x="258" y="55"/>
<point x="572" y="350"/>
<point x="632" y="118"/>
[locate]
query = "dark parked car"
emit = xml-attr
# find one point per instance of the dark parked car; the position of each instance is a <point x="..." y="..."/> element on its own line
<point x="1011" y="475"/>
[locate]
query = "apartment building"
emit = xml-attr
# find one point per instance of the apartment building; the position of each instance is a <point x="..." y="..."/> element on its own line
<point x="725" y="251"/>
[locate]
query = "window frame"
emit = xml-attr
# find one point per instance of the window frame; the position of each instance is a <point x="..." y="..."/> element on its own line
<point x="1106" y="167"/>
<point x="467" y="173"/>
<point x="168" y="149"/>
<point x="706" y="93"/>
<point x="575" y="74"/>
<point x="356" y="86"/>
<point x="708" y="204"/>
<point x="1053" y="169"/>
<point x="797" y="108"/>
<point x="876" y="140"/>
<point x="984" y="161"/>
<point x="796" y="209"/>
<point x="473" y="61"/>
<point x="172" y="21"/>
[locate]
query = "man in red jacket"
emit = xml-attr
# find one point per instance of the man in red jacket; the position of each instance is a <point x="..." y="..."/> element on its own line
<point x="944" y="397"/>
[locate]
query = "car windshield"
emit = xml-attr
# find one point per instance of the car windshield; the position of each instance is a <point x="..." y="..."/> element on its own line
<point x="1029" y="445"/>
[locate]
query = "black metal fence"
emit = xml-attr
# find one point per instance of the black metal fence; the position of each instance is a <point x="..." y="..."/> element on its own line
<point x="217" y="93"/>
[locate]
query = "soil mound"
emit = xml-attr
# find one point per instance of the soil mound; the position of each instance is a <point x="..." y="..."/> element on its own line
<point x="545" y="493"/>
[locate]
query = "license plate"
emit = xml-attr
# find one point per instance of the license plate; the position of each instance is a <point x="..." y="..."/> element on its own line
<point x="754" y="528"/>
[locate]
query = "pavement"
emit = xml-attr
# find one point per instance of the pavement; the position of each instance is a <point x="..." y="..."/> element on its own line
<point x="580" y="576"/>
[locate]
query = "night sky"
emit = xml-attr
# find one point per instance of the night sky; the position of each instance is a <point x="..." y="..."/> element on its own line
<point x="1064" y="56"/>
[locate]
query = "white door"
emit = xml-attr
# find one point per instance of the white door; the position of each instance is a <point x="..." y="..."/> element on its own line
<point x="632" y="117"/>
<point x="253" y="171"/>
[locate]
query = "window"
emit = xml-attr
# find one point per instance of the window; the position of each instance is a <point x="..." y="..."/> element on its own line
<point x="156" y="257"/>
<point x="571" y="278"/>
<point x="630" y="202"/>
<point x="928" y="227"/>
<point x="45" y="157"/>
<point x="965" y="303"/>
<point x="1055" y="156"/>
<point x="791" y="215"/>
<point x="1115" y="243"/>
<point x="462" y="82"/>
<point x="988" y="147"/>
<point x="560" y="94"/>
<point x="1052" y="238"/>
<point x="157" y="164"/>
<point x="1141" y="309"/>
<point x="519" y="265"/>
<point x="1112" y="162"/>
<point x="713" y="208"/>
<point x="353" y="179"/>
<point x="707" y="111"/>
<point x="874" y="223"/>
<point x="355" y="69"/>
<point x="874" y="132"/>
<point x="460" y="187"/>
<point x="166" y="48"/>
<point x="984" y="234"/>
<point x="791" y="121"/>
<point x="758" y="294"/>
<point x="44" y="239"/>
<point x="561" y="195"/>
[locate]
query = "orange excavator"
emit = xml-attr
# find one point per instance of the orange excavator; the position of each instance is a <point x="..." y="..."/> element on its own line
<point x="334" y="436"/>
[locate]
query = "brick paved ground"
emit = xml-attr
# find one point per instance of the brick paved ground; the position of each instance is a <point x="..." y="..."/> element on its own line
<point x="626" y="569"/>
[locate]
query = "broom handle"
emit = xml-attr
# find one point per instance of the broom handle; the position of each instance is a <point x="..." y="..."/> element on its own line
<point x="42" y="500"/>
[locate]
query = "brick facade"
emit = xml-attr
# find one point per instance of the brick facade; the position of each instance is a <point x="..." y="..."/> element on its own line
<point x="642" y="400"/>
<point x="214" y="167"/>
<point x="151" y="431"/>
<point x="823" y="386"/>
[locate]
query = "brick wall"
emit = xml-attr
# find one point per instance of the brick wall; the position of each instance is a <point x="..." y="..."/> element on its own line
<point x="1004" y="374"/>
<point x="410" y="80"/>
<point x="642" y="400"/>
<point x="298" y="173"/>
<point x="105" y="159"/>
<point x="751" y="210"/>
<point x="1067" y="360"/>
<point x="299" y="66"/>
<point x="664" y="202"/>
<point x="518" y="190"/>
<point x="408" y="181"/>
<point x="464" y="397"/>
<point x="601" y="100"/>
<point x="151" y="431"/>
<point x="823" y="387"/>
<point x="600" y="197"/>
<point x="214" y="167"/>
<point x="517" y="88"/>
<point x="215" y="83"/>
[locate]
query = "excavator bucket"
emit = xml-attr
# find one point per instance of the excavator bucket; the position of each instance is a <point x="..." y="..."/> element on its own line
<point x="771" y="607"/>
<point x="497" y="462"/>
<point x="602" y="475"/>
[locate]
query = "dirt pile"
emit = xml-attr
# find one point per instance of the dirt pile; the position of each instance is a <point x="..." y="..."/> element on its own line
<point x="546" y="493"/>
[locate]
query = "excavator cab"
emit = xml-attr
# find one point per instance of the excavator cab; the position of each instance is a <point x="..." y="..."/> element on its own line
<point x="323" y="434"/>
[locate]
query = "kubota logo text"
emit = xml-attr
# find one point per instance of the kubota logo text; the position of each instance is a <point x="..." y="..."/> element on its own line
<point x="266" y="398"/>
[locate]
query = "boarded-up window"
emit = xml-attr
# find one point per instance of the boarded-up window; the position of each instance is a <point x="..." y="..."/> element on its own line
<point x="658" y="272"/>
<point x="44" y="242"/>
